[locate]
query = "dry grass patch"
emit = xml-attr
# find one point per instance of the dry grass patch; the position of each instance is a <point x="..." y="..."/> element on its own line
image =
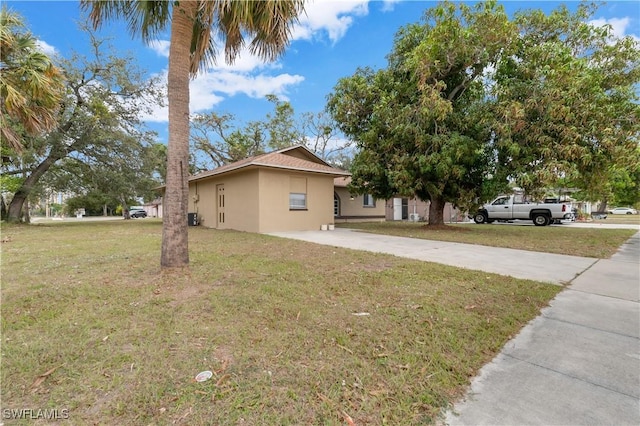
<point x="561" y="239"/>
<point x="631" y="219"/>
<point x="295" y="333"/>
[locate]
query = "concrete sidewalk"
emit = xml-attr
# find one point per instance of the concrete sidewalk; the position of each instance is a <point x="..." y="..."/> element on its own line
<point x="578" y="363"/>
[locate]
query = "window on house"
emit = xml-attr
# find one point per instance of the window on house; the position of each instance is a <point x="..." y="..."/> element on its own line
<point x="297" y="201"/>
<point x="297" y="193"/>
<point x="368" y="201"/>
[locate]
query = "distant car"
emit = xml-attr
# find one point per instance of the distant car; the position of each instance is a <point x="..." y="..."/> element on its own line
<point x="623" y="210"/>
<point x="137" y="213"/>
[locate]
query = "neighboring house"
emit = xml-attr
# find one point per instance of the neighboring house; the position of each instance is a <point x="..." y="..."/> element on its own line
<point x="362" y="208"/>
<point x="355" y="208"/>
<point x="286" y="190"/>
<point x="154" y="208"/>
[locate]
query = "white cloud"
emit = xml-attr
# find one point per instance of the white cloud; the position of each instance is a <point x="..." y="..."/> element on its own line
<point x="331" y="17"/>
<point x="161" y="47"/>
<point x="46" y="48"/>
<point x="389" y="5"/>
<point x="618" y="26"/>
<point x="255" y="86"/>
<point x="251" y="76"/>
<point x="158" y="114"/>
<point x="211" y="88"/>
<point x="245" y="61"/>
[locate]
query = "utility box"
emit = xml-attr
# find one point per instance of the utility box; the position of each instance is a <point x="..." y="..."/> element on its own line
<point x="192" y="219"/>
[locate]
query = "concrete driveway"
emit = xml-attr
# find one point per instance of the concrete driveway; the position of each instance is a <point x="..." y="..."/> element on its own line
<point x="547" y="267"/>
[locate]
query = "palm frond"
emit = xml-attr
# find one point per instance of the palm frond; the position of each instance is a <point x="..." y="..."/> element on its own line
<point x="267" y="23"/>
<point x="147" y="18"/>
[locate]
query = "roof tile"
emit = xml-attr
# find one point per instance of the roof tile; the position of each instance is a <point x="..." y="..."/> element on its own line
<point x="277" y="159"/>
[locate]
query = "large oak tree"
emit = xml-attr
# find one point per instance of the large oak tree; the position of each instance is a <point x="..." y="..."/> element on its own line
<point x="472" y="102"/>
<point x="97" y="119"/>
<point x="422" y="125"/>
<point x="567" y="107"/>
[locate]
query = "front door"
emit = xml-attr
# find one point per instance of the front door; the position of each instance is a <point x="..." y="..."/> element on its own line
<point x="220" y="208"/>
<point x="397" y="209"/>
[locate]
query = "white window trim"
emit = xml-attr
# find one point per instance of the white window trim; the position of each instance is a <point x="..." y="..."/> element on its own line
<point x="364" y="201"/>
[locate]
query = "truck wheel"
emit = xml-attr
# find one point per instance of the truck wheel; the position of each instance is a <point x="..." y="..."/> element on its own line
<point x="540" y="220"/>
<point x="480" y="218"/>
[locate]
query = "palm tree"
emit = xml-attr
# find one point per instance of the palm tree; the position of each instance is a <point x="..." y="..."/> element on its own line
<point x="30" y="85"/>
<point x="268" y="23"/>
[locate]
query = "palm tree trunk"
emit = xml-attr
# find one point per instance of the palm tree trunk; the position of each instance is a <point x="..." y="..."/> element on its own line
<point x="175" y="248"/>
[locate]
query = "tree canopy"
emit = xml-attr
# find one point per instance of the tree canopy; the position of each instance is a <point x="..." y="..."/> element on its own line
<point x="30" y="85"/>
<point x="567" y="107"/>
<point x="219" y="139"/>
<point x="98" y="132"/>
<point x="472" y="101"/>
<point x="422" y="124"/>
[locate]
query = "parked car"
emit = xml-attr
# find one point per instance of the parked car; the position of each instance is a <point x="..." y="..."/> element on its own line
<point x="623" y="210"/>
<point x="137" y="213"/>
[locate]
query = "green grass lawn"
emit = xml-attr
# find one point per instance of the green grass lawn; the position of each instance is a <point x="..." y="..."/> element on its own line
<point x="295" y="333"/>
<point x="561" y="239"/>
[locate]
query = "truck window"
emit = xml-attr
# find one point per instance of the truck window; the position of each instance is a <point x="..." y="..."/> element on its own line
<point x="518" y="199"/>
<point x="501" y="201"/>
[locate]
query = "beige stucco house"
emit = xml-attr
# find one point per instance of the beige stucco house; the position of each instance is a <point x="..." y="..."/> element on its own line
<point x="286" y="190"/>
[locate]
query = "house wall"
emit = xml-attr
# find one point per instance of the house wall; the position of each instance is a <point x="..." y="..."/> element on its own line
<point x="274" y="201"/>
<point x="240" y="206"/>
<point x="257" y="200"/>
<point x="351" y="210"/>
<point x="421" y="209"/>
<point x="154" y="208"/>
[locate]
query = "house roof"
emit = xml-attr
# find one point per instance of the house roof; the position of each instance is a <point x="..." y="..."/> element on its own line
<point x="297" y="158"/>
<point x="342" y="181"/>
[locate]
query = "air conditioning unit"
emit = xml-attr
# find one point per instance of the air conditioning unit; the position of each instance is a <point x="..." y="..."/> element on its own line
<point x="414" y="217"/>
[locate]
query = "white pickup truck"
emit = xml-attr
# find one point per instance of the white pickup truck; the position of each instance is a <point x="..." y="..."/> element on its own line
<point x="510" y="207"/>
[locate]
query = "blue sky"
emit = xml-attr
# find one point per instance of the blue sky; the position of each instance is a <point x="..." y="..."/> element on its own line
<point x="330" y="42"/>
